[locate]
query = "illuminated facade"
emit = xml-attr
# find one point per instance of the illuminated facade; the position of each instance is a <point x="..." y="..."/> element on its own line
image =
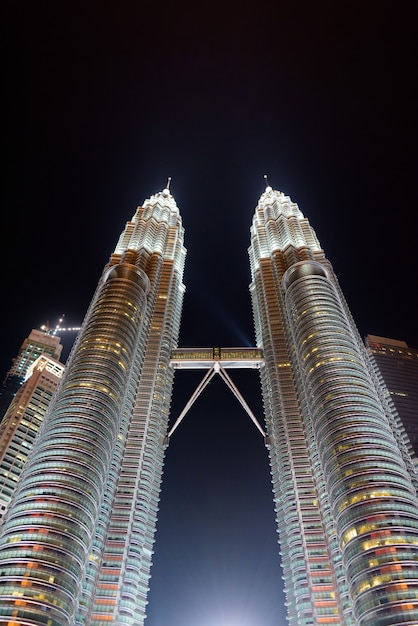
<point x="343" y="481"/>
<point x="93" y="477"/>
<point x="76" y="543"/>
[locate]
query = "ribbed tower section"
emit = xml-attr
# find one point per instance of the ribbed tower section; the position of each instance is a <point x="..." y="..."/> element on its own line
<point x="76" y="545"/>
<point x="346" y="506"/>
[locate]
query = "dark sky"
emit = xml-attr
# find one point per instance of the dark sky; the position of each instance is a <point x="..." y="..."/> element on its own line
<point x="102" y="101"/>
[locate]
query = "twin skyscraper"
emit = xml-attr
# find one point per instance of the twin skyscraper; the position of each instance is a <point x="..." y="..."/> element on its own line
<point x="76" y="543"/>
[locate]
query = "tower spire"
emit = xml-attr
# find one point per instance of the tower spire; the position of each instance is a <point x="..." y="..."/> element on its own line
<point x="268" y="188"/>
<point x="167" y="187"/>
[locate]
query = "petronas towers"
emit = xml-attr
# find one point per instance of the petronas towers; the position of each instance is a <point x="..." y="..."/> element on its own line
<point x="76" y="543"/>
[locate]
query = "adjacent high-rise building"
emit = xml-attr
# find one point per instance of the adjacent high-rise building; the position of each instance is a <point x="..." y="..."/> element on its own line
<point x="76" y="543"/>
<point x="397" y="366"/>
<point x="38" y="342"/>
<point x="22" y="420"/>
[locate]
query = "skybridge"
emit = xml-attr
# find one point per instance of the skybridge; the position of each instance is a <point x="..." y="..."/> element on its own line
<point x="216" y="361"/>
<point x="203" y="358"/>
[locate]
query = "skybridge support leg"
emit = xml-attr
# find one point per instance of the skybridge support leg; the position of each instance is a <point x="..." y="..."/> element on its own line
<point x="205" y="380"/>
<point x="228" y="381"/>
<point x="216" y="368"/>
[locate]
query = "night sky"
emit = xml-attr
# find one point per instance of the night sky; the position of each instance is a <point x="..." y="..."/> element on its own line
<point x="102" y="102"/>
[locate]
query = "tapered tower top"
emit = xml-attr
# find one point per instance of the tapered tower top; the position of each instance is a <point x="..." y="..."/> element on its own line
<point x="161" y="199"/>
<point x="156" y="226"/>
<point x="279" y="224"/>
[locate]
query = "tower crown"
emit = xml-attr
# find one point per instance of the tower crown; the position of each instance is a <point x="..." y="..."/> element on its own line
<point x="162" y="207"/>
<point x="273" y="203"/>
<point x="156" y="226"/>
<point x="279" y="224"/>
